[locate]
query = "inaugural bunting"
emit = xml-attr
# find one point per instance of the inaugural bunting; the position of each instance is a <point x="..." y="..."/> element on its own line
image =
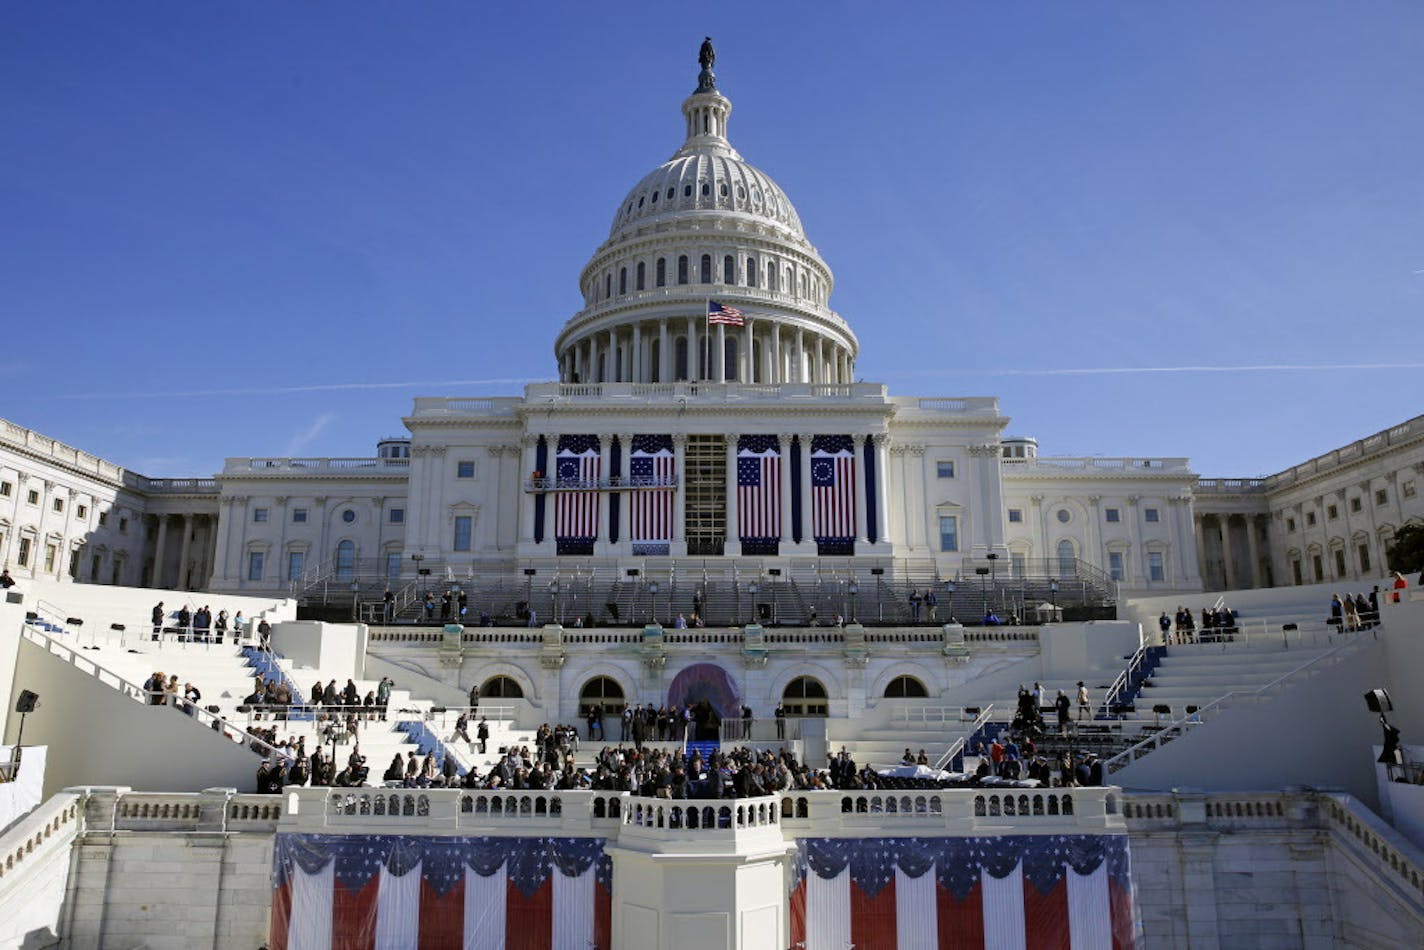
<point x="399" y="891"/>
<point x="651" y="463"/>
<point x="833" y="494"/>
<point x="1009" y="891"/>
<point x="759" y="493"/>
<point x="576" y="509"/>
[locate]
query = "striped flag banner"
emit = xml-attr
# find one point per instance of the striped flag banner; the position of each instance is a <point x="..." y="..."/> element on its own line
<point x="406" y="891"/>
<point x="759" y="493"/>
<point x="576" y="512"/>
<point x="833" y="491"/>
<point x="1008" y="892"/>
<point x="651" y="462"/>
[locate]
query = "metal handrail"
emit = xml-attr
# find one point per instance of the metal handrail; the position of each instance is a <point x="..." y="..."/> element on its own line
<point x="958" y="745"/>
<point x="1178" y="726"/>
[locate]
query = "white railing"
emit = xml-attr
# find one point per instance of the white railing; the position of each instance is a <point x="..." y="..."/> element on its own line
<point x="1179" y="727"/>
<point x="138" y="694"/>
<point x="940" y="715"/>
<point x="365" y="465"/>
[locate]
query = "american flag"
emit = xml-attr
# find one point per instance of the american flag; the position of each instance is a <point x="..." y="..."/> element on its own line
<point x="426" y="891"/>
<point x="832" y="488"/>
<point x="717" y="313"/>
<point x="759" y="488"/>
<point x="651" y="463"/>
<point x="1004" y="891"/>
<point x="576" y="512"/>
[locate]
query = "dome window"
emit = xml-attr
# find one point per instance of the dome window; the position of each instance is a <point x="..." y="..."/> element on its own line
<point x="655" y="197"/>
<point x="729" y="269"/>
<point x="742" y="192"/>
<point x="642" y="274"/>
<point x="682" y="269"/>
<point x="669" y="194"/>
<point x="756" y="195"/>
<point x="661" y="277"/>
<point x="607" y="286"/>
<point x="687" y="191"/>
<point x="724" y="189"/>
<point x="640" y="201"/>
<point x="706" y="189"/>
<point x="622" y="281"/>
<point x="751" y="272"/>
<point x="706" y="268"/>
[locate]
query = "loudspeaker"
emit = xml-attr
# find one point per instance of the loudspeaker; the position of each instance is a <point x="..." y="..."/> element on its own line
<point x="27" y="702"/>
<point x="1378" y="701"/>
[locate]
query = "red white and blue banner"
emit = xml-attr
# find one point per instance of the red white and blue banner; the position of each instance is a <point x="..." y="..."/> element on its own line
<point x="578" y="468"/>
<point x="651" y="462"/>
<point x="403" y="892"/>
<point x="833" y="494"/>
<point x="1008" y="892"/>
<point x="759" y="493"/>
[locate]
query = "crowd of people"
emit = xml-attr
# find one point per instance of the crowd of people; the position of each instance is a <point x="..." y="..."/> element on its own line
<point x="1354" y="611"/>
<point x="200" y="626"/>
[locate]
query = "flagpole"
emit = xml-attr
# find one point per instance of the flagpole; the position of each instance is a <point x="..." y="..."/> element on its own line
<point x="707" y="339"/>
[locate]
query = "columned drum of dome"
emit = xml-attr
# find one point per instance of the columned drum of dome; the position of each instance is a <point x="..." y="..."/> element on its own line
<point x="703" y="226"/>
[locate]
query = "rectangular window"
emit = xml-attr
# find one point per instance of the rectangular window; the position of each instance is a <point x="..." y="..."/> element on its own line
<point x="1339" y="562"/>
<point x="1018" y="564"/>
<point x="1155" y="569"/>
<point x="299" y="516"/>
<point x="393" y="566"/>
<point x="81" y="512"/>
<point x="58" y="504"/>
<point x="1115" y="565"/>
<point x="397" y="516"/>
<point x="1150" y="515"/>
<point x="1408" y="489"/>
<point x="1290" y="525"/>
<point x="24" y="556"/>
<point x="51" y="552"/>
<point x="1332" y="512"/>
<point x="1113" y="515"/>
<point x="1319" y="568"/>
<point x="1365" y="558"/>
<point x="948" y="533"/>
<point x="6" y="488"/>
<point x="1310" y="519"/>
<point x="32" y="497"/>
<point x="1381" y="496"/>
<point x="254" y="565"/>
<point x="296" y="563"/>
<point x="103" y="519"/>
<point x="463" y="524"/>
<point x="1015" y="516"/>
<point x="1356" y="504"/>
<point x="259" y="515"/>
<point x="944" y="469"/>
<point x="74" y="564"/>
<point x="465" y="469"/>
<point x="1296" y="574"/>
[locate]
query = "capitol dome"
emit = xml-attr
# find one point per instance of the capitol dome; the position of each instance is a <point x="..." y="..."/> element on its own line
<point x="706" y="227"/>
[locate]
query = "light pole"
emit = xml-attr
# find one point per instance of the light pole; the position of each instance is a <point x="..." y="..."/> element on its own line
<point x="993" y="577"/>
<point x="752" y="589"/>
<point x="983" y="573"/>
<point x="854" y="590"/>
<point x="529" y="573"/>
<point x="558" y="604"/>
<point x="455" y="604"/>
<point x="1053" y="595"/>
<point x="653" y="598"/>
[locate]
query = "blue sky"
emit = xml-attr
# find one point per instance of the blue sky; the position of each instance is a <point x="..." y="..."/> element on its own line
<point x="207" y="208"/>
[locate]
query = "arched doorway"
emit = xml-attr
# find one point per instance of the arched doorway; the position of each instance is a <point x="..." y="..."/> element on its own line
<point x="905" y="687"/>
<point x="805" y="696"/>
<point x="604" y="692"/>
<point x="706" y="681"/>
<point x="501" y="687"/>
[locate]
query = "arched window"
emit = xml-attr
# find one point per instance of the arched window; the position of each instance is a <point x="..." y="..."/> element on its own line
<point x="346" y="560"/>
<point x="607" y="286"/>
<point x="729" y="355"/>
<point x="501" y="687"/>
<point x="805" y="696"/>
<point x="751" y="272"/>
<point x="680" y="359"/>
<point x="706" y="268"/>
<point x="1067" y="559"/>
<point x="790" y="283"/>
<point x="905" y="687"/>
<point x="662" y="272"/>
<point x="642" y="273"/>
<point x="604" y="692"/>
<point x="729" y="270"/>
<point x="622" y="281"/>
<point x="682" y="269"/>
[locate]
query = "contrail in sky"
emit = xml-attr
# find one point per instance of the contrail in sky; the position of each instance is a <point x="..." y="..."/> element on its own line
<point x="1133" y="370"/>
<point x="313" y="388"/>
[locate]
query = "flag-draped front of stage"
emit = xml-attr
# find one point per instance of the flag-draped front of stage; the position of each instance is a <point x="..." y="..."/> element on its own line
<point x="1007" y="891"/>
<point x="360" y="891"/>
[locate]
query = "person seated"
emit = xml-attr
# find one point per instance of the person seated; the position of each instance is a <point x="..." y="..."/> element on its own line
<point x="990" y="619"/>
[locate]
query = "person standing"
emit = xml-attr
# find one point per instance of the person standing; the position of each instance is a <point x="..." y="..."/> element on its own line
<point x="158" y="621"/>
<point x="1084" y="707"/>
<point x="388" y="599"/>
<point x="482" y="734"/>
<point x="1164" y="623"/>
<point x="780" y="715"/>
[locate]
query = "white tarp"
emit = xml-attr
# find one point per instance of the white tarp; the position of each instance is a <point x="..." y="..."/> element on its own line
<point x="20" y="796"/>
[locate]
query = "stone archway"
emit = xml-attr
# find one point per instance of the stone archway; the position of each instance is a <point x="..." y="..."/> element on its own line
<point x="706" y="681"/>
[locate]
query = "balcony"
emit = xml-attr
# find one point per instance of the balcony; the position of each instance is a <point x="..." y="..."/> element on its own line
<point x="346" y="467"/>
